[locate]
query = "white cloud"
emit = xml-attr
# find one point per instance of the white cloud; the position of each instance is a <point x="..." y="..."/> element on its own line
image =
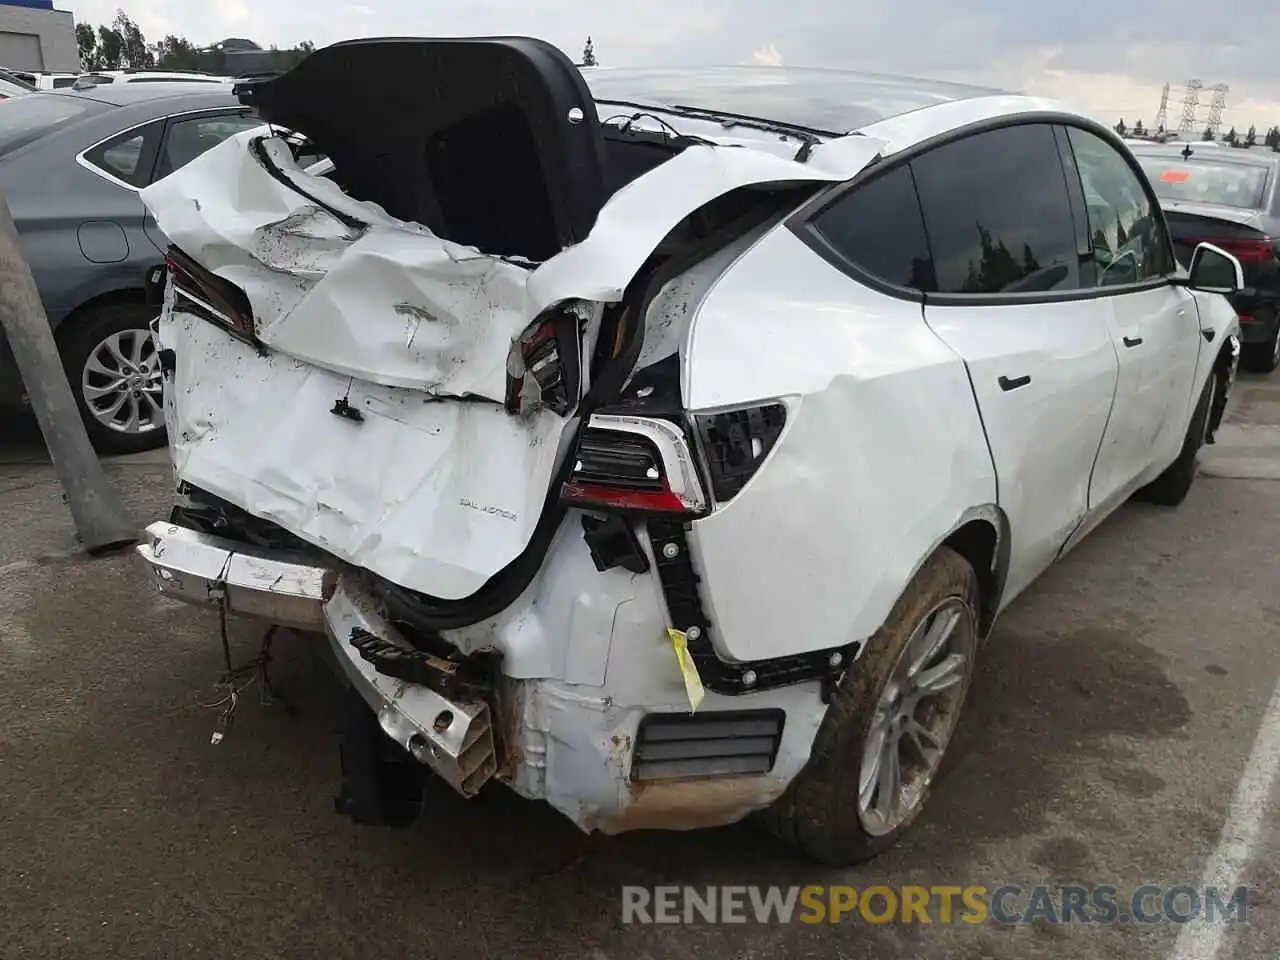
<point x="767" y="56"/>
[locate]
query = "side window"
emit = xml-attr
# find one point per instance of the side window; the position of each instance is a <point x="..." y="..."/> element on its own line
<point x="187" y="139"/>
<point x="128" y="157"/>
<point x="877" y="227"/>
<point x="1129" y="243"/>
<point x="998" y="214"/>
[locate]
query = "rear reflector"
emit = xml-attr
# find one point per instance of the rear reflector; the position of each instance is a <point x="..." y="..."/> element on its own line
<point x="638" y="464"/>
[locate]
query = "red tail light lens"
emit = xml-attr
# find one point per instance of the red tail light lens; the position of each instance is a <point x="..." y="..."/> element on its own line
<point x="544" y="366"/>
<point x="736" y="442"/>
<point x="634" y="464"/>
<point x="200" y="292"/>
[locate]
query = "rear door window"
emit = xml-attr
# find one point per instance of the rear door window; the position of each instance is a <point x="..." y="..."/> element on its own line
<point x="186" y="139"/>
<point x="129" y="157"/>
<point x="877" y="227"/>
<point x="26" y="119"/>
<point x="998" y="214"/>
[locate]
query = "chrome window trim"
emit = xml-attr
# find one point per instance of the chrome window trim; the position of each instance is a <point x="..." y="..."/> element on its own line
<point x="167" y="118"/>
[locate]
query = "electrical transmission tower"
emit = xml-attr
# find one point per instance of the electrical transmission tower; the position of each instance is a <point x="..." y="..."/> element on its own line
<point x="1162" y="115"/>
<point x="1216" y="106"/>
<point x="1190" y="103"/>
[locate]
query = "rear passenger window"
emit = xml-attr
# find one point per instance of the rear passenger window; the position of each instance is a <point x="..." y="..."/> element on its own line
<point x="877" y="227"/>
<point x="128" y="156"/>
<point x="997" y="213"/>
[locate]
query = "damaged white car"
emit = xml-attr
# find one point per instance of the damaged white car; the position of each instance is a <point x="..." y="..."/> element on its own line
<point x="663" y="444"/>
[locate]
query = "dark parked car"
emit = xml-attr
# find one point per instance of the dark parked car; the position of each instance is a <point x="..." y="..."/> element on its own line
<point x="1229" y="198"/>
<point x="71" y="166"/>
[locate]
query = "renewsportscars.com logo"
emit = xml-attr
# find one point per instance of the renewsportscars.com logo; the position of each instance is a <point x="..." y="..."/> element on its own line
<point x="940" y="904"/>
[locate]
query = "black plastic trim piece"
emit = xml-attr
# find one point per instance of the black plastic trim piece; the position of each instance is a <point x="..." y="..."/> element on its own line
<point x="684" y="606"/>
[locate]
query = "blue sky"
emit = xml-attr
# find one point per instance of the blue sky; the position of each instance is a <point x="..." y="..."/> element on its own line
<point x="1110" y="57"/>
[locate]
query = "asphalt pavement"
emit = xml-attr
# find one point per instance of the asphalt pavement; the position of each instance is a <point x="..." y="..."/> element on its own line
<point x="1118" y="733"/>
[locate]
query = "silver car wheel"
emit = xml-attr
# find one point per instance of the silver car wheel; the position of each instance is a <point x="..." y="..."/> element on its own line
<point x="122" y="383"/>
<point x="916" y="716"/>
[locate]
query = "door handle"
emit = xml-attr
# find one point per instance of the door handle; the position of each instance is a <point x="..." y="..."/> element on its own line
<point x="1007" y="383"/>
<point x="1132" y="341"/>
<point x="1208" y="333"/>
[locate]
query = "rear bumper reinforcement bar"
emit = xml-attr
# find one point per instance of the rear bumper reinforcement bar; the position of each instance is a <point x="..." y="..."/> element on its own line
<point x="452" y="737"/>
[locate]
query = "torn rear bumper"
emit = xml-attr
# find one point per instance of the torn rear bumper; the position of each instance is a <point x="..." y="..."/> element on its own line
<point x="452" y="737"/>
<point x="614" y="749"/>
<point x="209" y="571"/>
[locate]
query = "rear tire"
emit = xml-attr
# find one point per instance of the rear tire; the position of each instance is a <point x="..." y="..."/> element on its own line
<point x="820" y="814"/>
<point x="88" y="338"/>
<point x="1171" y="487"/>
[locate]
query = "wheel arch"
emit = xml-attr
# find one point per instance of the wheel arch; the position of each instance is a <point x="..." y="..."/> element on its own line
<point x="1224" y="368"/>
<point x="108" y="298"/>
<point x="981" y="536"/>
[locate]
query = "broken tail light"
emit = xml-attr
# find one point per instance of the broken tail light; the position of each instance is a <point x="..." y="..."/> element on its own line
<point x="545" y="363"/>
<point x="736" y="442"/>
<point x="635" y="464"/>
<point x="208" y="296"/>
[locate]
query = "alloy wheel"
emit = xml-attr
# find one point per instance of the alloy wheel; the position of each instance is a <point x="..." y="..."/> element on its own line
<point x="916" y="716"/>
<point x="122" y="384"/>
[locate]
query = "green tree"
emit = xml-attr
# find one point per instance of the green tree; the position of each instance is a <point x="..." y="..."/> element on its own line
<point x="87" y="42"/>
<point x="1120" y="127"/>
<point x="589" y="54"/>
<point x="1251" y="137"/>
<point x="178" y="53"/>
<point x="134" y="52"/>
<point x="110" y="49"/>
<point x="1232" y="137"/>
<point x="1139" y="130"/>
<point x="1208" y="134"/>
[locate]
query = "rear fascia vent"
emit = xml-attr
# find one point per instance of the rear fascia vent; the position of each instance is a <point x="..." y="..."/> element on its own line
<point x="682" y="746"/>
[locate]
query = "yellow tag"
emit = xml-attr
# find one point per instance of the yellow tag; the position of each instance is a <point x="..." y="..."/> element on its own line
<point x="688" y="669"/>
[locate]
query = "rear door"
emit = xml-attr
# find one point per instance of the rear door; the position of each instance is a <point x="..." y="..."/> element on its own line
<point x="1007" y="254"/>
<point x="183" y="138"/>
<point x="1154" y="325"/>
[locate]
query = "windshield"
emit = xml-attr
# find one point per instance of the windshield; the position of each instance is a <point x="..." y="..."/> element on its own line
<point x="1204" y="181"/>
<point x="25" y="119"/>
<point x="831" y="101"/>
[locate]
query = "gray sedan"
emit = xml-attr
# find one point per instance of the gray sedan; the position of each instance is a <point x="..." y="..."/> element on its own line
<point x="71" y="166"/>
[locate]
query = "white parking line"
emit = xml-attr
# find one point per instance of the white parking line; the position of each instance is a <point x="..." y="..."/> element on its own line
<point x="1204" y="941"/>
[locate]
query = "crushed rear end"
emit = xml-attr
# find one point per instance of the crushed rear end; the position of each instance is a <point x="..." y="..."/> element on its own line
<point x="431" y="406"/>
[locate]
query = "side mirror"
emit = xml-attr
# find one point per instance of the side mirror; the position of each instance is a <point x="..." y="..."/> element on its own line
<point x="1213" y="270"/>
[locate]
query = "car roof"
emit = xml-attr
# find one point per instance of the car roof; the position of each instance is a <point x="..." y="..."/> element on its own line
<point x="824" y="100"/>
<point x="126" y="94"/>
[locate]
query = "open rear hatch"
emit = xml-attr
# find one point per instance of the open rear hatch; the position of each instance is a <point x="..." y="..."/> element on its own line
<point x="492" y="143"/>
<point x="421" y="333"/>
